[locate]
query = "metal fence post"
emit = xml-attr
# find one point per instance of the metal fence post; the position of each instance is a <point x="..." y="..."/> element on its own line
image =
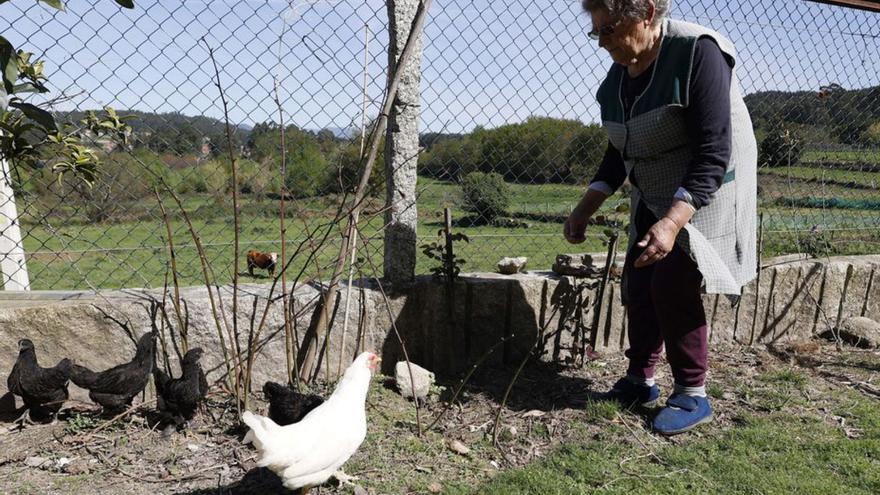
<point x="402" y="148"/>
<point x="12" y="262"/>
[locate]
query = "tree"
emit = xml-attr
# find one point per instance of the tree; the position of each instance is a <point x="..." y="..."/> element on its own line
<point x="27" y="128"/>
<point x="872" y="135"/>
<point x="307" y="168"/>
<point x="782" y="147"/>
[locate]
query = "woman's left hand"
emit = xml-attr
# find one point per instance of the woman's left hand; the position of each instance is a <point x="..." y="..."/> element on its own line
<point x="658" y="242"/>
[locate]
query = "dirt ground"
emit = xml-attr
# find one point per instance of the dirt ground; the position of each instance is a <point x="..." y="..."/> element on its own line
<point x="547" y="406"/>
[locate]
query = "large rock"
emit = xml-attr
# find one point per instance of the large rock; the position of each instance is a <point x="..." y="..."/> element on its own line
<point x="859" y="331"/>
<point x="421" y="378"/>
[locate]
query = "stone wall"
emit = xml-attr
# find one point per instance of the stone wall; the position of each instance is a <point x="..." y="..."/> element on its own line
<point x="794" y="299"/>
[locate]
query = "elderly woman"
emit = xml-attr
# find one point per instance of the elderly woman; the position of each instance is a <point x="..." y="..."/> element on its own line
<point x="679" y="131"/>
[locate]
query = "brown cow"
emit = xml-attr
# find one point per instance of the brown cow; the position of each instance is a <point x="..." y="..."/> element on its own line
<point x="266" y="261"/>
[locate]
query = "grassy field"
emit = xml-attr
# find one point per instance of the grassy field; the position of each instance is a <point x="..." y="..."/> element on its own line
<point x="76" y="254"/>
<point x="843" y="156"/>
<point x="132" y="253"/>
<point x="871" y="179"/>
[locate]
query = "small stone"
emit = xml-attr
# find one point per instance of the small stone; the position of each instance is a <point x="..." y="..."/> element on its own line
<point x="421" y="378"/>
<point x="61" y="463"/>
<point x="359" y="490"/>
<point x="458" y="447"/>
<point x="435" y="487"/>
<point x="35" y="461"/>
<point x="192" y="447"/>
<point x="728" y="396"/>
<point x="78" y="466"/>
<point x="513" y="431"/>
<point x="509" y="266"/>
<point x="494" y="464"/>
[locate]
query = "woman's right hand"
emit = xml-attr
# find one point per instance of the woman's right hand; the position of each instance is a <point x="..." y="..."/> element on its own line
<point x="575" y="226"/>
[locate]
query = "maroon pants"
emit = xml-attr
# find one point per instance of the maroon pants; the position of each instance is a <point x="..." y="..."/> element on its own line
<point x="664" y="307"/>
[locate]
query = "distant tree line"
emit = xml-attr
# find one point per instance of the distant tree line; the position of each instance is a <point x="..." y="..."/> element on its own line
<point x="830" y="115"/>
<point x="539" y="150"/>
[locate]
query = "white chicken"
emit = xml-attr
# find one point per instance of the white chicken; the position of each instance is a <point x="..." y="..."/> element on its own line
<point x="308" y="453"/>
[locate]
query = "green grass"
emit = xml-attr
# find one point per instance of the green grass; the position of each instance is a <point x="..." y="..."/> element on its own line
<point x="132" y="253"/>
<point x="825" y="174"/>
<point x="777" y="453"/>
<point x="872" y="156"/>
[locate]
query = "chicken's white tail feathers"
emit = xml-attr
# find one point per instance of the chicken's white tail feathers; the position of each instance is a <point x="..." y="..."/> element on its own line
<point x="260" y="427"/>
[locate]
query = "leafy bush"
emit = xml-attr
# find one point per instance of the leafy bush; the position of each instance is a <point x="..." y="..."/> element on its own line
<point x="486" y="195"/>
<point x="307" y="172"/>
<point x="210" y="177"/>
<point x="254" y="178"/>
<point x="871" y="135"/>
<point x="782" y="147"/>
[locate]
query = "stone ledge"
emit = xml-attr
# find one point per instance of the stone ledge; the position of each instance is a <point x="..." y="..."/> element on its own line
<point x="796" y="299"/>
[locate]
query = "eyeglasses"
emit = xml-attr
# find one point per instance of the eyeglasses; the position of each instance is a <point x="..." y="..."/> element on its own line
<point x="606" y="30"/>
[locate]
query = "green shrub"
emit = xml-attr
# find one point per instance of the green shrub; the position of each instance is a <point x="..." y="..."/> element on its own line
<point x="871" y="135"/>
<point x="486" y="195"/>
<point x="254" y="178"/>
<point x="781" y="148"/>
<point x="211" y="177"/>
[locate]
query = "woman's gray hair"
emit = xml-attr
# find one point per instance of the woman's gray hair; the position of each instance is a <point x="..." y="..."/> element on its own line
<point x="633" y="10"/>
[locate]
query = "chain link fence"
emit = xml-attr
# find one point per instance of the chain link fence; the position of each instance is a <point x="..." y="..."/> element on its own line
<point x="507" y="88"/>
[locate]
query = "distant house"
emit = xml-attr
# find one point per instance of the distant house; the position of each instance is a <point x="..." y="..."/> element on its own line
<point x="95" y="143"/>
<point x="205" y="150"/>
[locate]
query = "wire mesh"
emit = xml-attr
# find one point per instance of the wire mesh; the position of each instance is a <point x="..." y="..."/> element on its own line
<point x="507" y="88"/>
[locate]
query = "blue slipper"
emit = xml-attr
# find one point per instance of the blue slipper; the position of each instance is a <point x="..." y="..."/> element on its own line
<point x="628" y="393"/>
<point x="682" y="413"/>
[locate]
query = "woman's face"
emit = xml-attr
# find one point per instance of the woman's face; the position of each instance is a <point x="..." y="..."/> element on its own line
<point x="624" y="39"/>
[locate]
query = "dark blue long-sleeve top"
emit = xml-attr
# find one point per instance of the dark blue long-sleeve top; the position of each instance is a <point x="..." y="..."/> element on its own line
<point x="707" y="118"/>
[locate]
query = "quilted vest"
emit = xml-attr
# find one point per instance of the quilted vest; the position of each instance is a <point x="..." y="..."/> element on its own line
<point x="653" y="141"/>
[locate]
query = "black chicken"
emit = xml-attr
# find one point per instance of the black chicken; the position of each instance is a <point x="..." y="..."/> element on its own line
<point x="179" y="398"/>
<point x="286" y="405"/>
<point x="114" y="389"/>
<point x="43" y="390"/>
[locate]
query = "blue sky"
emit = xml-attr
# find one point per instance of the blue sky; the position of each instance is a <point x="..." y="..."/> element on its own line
<point x="484" y="63"/>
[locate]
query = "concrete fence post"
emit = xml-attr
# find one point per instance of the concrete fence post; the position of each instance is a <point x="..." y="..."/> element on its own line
<point x="402" y="148"/>
<point x="12" y="261"/>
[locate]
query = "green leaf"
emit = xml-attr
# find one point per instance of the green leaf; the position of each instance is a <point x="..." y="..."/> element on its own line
<point x="54" y="3"/>
<point x="129" y="4"/>
<point x="28" y="88"/>
<point x="36" y="114"/>
<point x="8" y="67"/>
